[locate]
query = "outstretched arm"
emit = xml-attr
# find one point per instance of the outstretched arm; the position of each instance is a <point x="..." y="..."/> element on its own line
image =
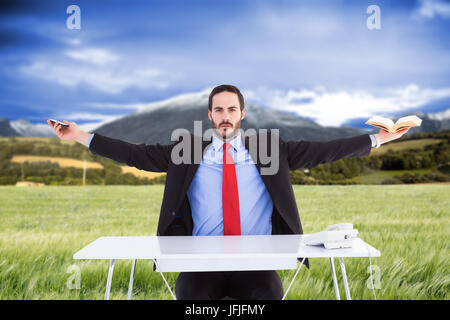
<point x="308" y="154"/>
<point x="154" y="158"/>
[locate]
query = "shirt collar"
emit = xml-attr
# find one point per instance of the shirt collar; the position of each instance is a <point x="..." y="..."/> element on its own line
<point x="236" y="143"/>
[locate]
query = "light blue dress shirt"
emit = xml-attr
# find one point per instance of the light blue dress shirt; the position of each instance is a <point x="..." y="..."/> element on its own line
<point x="205" y="192"/>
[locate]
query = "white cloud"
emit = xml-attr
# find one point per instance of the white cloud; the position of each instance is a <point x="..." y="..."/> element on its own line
<point x="98" y="70"/>
<point x="440" y="115"/>
<point x="91" y="126"/>
<point x="107" y="105"/>
<point x="335" y="108"/>
<point x="93" y="55"/>
<point x="432" y="8"/>
<point x="73" y="42"/>
<point x="74" y="116"/>
<point x="95" y="120"/>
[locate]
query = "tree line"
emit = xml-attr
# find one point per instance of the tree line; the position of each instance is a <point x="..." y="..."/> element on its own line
<point x="435" y="156"/>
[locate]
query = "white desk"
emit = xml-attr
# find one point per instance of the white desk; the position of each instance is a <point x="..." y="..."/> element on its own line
<point x="219" y="253"/>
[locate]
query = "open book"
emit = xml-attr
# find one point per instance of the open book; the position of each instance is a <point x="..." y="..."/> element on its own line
<point x="390" y="126"/>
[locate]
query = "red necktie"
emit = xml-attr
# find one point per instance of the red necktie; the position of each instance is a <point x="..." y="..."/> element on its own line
<point x="230" y="195"/>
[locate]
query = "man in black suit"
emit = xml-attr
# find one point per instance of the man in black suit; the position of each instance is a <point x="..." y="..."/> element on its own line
<point x="229" y="183"/>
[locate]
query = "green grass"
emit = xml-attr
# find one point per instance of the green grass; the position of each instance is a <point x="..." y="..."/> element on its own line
<point x="42" y="227"/>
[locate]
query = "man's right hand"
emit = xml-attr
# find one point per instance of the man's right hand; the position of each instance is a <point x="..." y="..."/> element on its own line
<point x="71" y="133"/>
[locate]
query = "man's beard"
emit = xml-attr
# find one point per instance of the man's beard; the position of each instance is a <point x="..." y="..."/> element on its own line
<point x="227" y="135"/>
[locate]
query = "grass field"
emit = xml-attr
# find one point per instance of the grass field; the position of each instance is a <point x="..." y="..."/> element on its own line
<point x="42" y="227"/>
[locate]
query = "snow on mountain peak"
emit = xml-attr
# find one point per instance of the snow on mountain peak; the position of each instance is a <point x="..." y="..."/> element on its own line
<point x="443" y="115"/>
<point x="185" y="100"/>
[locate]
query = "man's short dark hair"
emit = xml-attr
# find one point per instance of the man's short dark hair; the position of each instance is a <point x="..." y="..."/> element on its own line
<point x="227" y="88"/>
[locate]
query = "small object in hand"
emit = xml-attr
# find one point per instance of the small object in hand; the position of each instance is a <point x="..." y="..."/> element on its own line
<point x="391" y="127"/>
<point x="61" y="123"/>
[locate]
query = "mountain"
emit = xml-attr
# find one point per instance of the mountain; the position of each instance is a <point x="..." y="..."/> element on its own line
<point x="5" y="128"/>
<point x="431" y="122"/>
<point x="26" y="129"/>
<point x="441" y="119"/>
<point x="155" y="122"/>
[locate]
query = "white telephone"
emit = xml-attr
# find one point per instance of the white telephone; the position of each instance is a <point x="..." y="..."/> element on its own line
<point x="339" y="235"/>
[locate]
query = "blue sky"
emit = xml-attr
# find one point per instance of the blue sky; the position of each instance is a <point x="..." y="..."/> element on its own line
<point x="316" y="58"/>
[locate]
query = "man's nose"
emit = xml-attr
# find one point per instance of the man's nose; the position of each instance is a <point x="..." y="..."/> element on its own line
<point x="226" y="116"/>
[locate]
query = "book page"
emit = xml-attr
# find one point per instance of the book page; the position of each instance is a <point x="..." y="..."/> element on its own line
<point x="407" y="122"/>
<point x="388" y="124"/>
<point x="413" y="119"/>
<point x="380" y="122"/>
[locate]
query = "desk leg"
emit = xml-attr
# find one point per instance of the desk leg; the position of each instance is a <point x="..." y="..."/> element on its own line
<point x="336" y="287"/>
<point x="130" y="286"/>
<point x="298" y="269"/>
<point x="344" y="276"/>
<point x="108" y="282"/>
<point x="165" y="281"/>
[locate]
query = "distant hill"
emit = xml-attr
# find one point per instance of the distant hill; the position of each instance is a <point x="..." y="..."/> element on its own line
<point x="24" y="128"/>
<point x="6" y="130"/>
<point x="155" y="122"/>
<point x="431" y="122"/>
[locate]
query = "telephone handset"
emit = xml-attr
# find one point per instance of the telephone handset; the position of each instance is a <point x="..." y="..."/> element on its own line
<point x="340" y="226"/>
<point x="338" y="235"/>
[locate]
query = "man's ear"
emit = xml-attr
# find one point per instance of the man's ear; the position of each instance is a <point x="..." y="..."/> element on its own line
<point x="209" y="115"/>
<point x="243" y="114"/>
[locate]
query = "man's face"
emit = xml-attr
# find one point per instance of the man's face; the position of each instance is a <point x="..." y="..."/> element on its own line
<point x="226" y="114"/>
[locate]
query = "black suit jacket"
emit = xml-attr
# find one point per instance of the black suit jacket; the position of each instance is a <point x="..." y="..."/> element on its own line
<point x="175" y="215"/>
